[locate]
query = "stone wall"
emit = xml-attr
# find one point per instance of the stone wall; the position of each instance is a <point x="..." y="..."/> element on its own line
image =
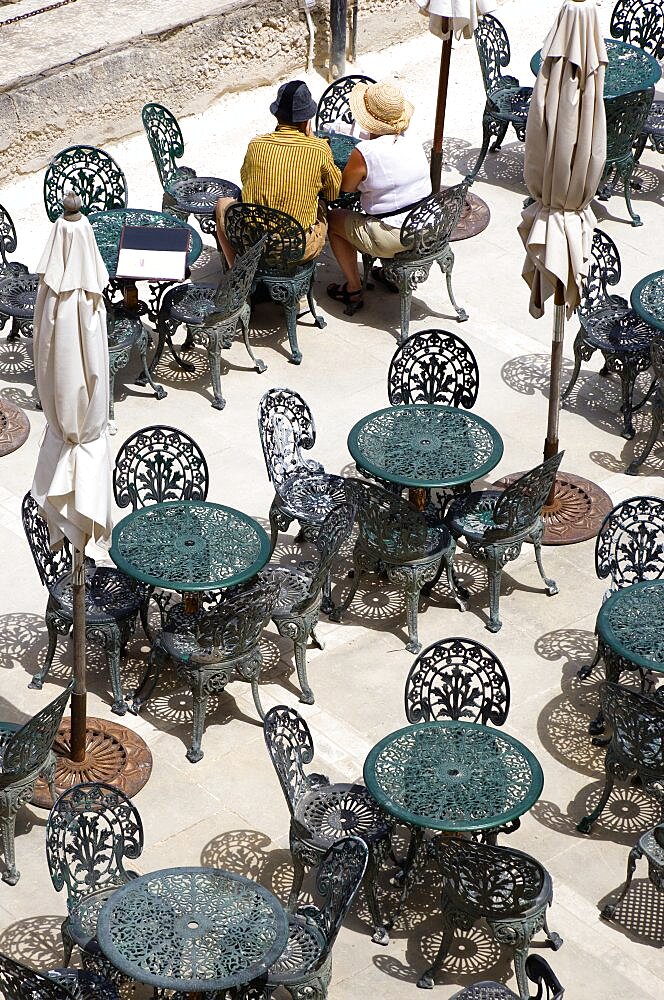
<point x="99" y="96"/>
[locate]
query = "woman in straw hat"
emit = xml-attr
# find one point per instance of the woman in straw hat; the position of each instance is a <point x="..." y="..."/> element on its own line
<point x="391" y="173"/>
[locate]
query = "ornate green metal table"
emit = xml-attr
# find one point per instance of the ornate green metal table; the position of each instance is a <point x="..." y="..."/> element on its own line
<point x="647" y="299"/>
<point x="192" y="929"/>
<point x="190" y="546"/>
<point x="630" y="629"/>
<point x="453" y="776"/>
<point x="630" y="69"/>
<point x="422" y="446"/>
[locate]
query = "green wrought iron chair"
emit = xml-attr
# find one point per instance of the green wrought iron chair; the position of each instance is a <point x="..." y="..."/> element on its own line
<point x="629" y="548"/>
<point x="20" y="982"/>
<point x="185" y="193"/>
<point x="641" y="22"/>
<point x="426" y="232"/>
<point x="625" y="119"/>
<point x="507" y="102"/>
<point x="92" y="829"/>
<point x="496" y="523"/>
<point x="657" y="406"/>
<point x="212" y="315"/>
<point x="636" y="746"/>
<point x="433" y="366"/>
<point x="89" y="172"/>
<point x="609" y="325"/>
<point x="281" y="272"/>
<point x="305" y="966"/>
<point x="651" y="846"/>
<point x="305" y="591"/>
<point x="112" y="601"/>
<point x="394" y="538"/>
<point x="322" y="813"/>
<point x="26" y="753"/>
<point x="18" y="288"/>
<point x="510" y="890"/>
<point x="213" y="646"/>
<point x="334" y="105"/>
<point x="303" y="490"/>
<point x="538" y="971"/>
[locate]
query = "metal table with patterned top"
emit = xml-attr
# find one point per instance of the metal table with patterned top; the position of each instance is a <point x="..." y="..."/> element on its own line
<point x="630" y="629"/>
<point x="424" y="446"/>
<point x="630" y="69"/>
<point x="192" y="929"/>
<point x="647" y="299"/>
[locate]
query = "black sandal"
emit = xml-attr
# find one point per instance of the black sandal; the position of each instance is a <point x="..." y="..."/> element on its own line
<point x="352" y="300"/>
<point x="379" y="274"/>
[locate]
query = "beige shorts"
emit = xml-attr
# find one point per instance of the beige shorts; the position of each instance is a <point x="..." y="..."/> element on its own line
<point x="372" y="236"/>
<point x="315" y="236"/>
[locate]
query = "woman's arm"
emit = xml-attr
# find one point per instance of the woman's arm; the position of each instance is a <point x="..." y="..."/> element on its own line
<point x="355" y="171"/>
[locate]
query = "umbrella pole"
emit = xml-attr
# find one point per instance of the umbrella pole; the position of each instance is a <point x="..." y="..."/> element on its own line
<point x="78" y="698"/>
<point x="551" y="443"/>
<point x="441" y="104"/>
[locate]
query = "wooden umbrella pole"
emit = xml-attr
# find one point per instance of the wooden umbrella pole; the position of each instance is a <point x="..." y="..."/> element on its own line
<point x="78" y="698"/>
<point x="551" y="443"/>
<point x="441" y="104"/>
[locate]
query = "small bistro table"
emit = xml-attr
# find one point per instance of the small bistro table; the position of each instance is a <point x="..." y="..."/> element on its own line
<point x="629" y="70"/>
<point x="647" y="299"/>
<point x="192" y="929"/>
<point x="425" y="446"/>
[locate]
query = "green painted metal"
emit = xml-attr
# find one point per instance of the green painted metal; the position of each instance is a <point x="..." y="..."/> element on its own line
<point x="192" y="929"/>
<point x="107" y="227"/>
<point x="647" y="299"/>
<point x="630" y="69"/>
<point x="425" y="446"/>
<point x="189" y="546"/>
<point x="453" y="776"/>
<point x="630" y="624"/>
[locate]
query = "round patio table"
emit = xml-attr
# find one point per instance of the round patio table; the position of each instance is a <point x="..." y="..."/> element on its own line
<point x="189" y="545"/>
<point x="630" y="628"/>
<point x="425" y="446"/>
<point x="647" y="299"/>
<point x="453" y="776"/>
<point x="630" y="69"/>
<point x="192" y="929"/>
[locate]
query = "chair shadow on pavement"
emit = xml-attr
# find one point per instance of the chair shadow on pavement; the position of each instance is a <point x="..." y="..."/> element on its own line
<point x="640" y="916"/>
<point x="252" y="854"/>
<point x="36" y="941"/>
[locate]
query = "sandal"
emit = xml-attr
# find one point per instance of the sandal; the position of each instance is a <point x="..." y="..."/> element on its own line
<point x="352" y="300"/>
<point x="379" y="274"/>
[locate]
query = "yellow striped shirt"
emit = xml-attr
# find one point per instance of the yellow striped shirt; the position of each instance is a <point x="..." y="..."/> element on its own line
<point x="288" y="171"/>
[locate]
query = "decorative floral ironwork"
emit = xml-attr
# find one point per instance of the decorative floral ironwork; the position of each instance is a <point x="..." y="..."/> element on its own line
<point x="630" y="542"/>
<point x="657" y="358"/>
<point x="630" y="69"/>
<point x="18" y="980"/>
<point x="333" y="105"/>
<point x="199" y="195"/>
<point x="433" y="366"/>
<point x="159" y="463"/>
<point x="650" y="299"/>
<point x="90" y="173"/>
<point x="641" y="23"/>
<point x="631" y="622"/>
<point x="457" y="679"/>
<point x="14" y="427"/>
<point x="18" y="294"/>
<point x="453" y="776"/>
<point x="108" y="225"/>
<point x="625" y="119"/>
<point x="165" y="139"/>
<point x="193" y="929"/>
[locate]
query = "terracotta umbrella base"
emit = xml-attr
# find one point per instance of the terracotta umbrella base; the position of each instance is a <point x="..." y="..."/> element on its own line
<point x="577" y="512"/>
<point x="14" y="427"/>
<point x="475" y="217"/>
<point x="113" y="754"/>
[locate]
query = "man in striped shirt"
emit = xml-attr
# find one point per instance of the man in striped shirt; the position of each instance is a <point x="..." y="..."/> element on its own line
<point x="289" y="169"/>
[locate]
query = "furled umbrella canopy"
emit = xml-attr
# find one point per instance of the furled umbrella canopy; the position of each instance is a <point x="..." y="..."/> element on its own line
<point x="461" y="15"/>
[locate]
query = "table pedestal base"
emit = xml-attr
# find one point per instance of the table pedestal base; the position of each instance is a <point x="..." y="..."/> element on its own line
<point x="113" y="754"/>
<point x="475" y="217"/>
<point x="578" y="509"/>
<point x="14" y="427"/>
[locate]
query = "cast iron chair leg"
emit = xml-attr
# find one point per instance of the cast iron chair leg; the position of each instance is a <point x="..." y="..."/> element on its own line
<point x="553" y="938"/>
<point x="578" y="345"/>
<point x="259" y="365"/>
<point x="495" y="571"/>
<point x="290" y="312"/>
<point x="551" y="585"/>
<point x="626" y="174"/>
<point x="307" y="695"/>
<point x="194" y="753"/>
<point x="48" y="774"/>
<point x="446" y="264"/>
<point x="39" y="678"/>
<point x="380" y="935"/>
<point x="520" y="956"/>
<point x="214" y="360"/>
<point x="487" y="132"/>
<point x="67" y="942"/>
<point x="296" y="884"/>
<point x="337" y="613"/>
<point x="609" y="910"/>
<point x="586" y="823"/>
<point x="412" y="608"/>
<point x="586" y="671"/>
<point x="114" y="644"/>
<point x="146" y="377"/>
<point x="319" y="320"/>
<point x="627" y="380"/>
<point x="428" y="978"/>
<point x="9" y="805"/>
<point x="255" y="693"/>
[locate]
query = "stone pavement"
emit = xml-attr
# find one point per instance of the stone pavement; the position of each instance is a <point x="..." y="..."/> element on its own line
<point x="228" y="810"/>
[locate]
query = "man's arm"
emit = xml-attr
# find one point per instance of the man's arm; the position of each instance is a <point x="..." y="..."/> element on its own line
<point x="355" y="171"/>
<point x="330" y="178"/>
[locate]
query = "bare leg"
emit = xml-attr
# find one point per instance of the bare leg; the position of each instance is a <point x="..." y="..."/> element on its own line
<point x="219" y="213"/>
<point x="345" y="252"/>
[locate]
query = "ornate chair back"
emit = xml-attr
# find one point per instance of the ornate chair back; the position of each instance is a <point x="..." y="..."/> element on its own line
<point x="8" y="238"/>
<point x="286" y="426"/>
<point x="427" y="228"/>
<point x="159" y="463"/>
<point x="457" y="679"/>
<point x="334" y="531"/>
<point x="26" y="750"/>
<point x="604" y="270"/>
<point x="165" y="139"/>
<point x="51" y="565"/>
<point x="90" y="173"/>
<point x="290" y="746"/>
<point x="490" y="881"/>
<point x="235" y="285"/>
<point x="19" y="982"/>
<point x="389" y="526"/>
<point x="640" y="22"/>
<point x="433" y="366"/>
<point x="338" y="878"/>
<point x="493" y="49"/>
<point x="521" y="503"/>
<point x="625" y="117"/>
<point x="334" y="105"/>
<point x="637" y="730"/>
<point x="630" y="543"/>
<point x="233" y="627"/>
<point x="91" y="829"/>
<point x="246" y="224"/>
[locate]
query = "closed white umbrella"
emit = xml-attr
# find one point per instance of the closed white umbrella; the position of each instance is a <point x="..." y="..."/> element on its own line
<point x="72" y="482"/>
<point x="564" y="160"/>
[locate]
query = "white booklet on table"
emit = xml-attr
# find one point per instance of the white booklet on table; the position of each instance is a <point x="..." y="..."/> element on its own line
<point x="151" y="253"/>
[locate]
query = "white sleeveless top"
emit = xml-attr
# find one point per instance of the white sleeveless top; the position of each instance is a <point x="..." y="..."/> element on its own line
<point x="397" y="175"/>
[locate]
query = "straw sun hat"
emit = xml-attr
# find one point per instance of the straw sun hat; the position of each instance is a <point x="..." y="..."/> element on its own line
<point x="380" y="108"/>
